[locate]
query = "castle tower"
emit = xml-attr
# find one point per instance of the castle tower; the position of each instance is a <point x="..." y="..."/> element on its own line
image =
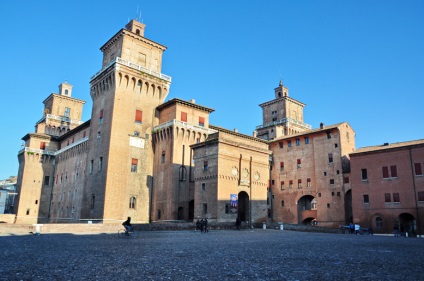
<point x="37" y="158"/>
<point x="281" y="116"/>
<point x="125" y="94"/>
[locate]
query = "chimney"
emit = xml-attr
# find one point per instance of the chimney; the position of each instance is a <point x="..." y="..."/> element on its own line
<point x="193" y="101"/>
<point x="254" y="134"/>
<point x="321" y="125"/>
<point x="236" y="130"/>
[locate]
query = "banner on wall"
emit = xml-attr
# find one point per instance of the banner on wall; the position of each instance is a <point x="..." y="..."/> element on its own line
<point x="233" y="202"/>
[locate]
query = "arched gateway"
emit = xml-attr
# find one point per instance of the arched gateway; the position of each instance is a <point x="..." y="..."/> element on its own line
<point x="243" y="206"/>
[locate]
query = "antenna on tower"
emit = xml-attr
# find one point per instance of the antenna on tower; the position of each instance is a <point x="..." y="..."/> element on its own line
<point x="136" y="15"/>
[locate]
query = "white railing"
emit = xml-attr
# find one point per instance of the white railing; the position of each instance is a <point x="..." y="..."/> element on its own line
<point x="36" y="150"/>
<point x="52" y="153"/>
<point x="185" y="125"/>
<point x="134" y="66"/>
<point x="60" y="118"/>
<point x="285" y="120"/>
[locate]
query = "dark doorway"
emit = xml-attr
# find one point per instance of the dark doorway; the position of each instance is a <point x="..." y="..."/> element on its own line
<point x="243" y="206"/>
<point x="306" y="209"/>
<point x="191" y="210"/>
<point x="407" y="224"/>
<point x="180" y="213"/>
<point x="348" y="207"/>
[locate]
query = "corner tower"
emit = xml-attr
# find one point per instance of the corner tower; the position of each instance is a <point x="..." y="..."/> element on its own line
<point x="125" y="94"/>
<point x="281" y="116"/>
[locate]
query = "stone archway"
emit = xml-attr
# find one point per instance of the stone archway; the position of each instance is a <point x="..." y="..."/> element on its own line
<point x="243" y="206"/>
<point x="306" y="209"/>
<point x="348" y="207"/>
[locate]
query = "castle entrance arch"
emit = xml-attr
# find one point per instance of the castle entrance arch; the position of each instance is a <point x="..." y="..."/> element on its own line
<point x="407" y="224"/>
<point x="306" y="209"/>
<point x="243" y="206"/>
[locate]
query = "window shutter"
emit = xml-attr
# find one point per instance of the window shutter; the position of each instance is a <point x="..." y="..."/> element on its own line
<point x="281" y="164"/>
<point x="138" y="116"/>
<point x="308" y="180"/>
<point x="418" y="170"/>
<point x="134" y="161"/>
<point x="101" y="113"/>
<point x="201" y="120"/>
<point x="393" y="171"/>
<point x="42" y="145"/>
<point x="299" y="162"/>
<point x="387" y="197"/>
<point x="184" y="116"/>
<point x="291" y="182"/>
<point x="385" y="172"/>
<point x="299" y="181"/>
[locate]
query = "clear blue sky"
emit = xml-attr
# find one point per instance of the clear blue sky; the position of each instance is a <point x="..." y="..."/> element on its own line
<point x="357" y="61"/>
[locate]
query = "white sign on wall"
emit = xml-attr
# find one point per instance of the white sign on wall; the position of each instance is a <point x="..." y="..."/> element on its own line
<point x="137" y="142"/>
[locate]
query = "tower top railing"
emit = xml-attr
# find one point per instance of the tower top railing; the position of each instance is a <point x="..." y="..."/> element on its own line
<point x="285" y="120"/>
<point x="132" y="65"/>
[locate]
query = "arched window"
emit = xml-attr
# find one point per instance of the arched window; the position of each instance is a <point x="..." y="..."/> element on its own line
<point x="183" y="173"/>
<point x="66" y="92"/>
<point x="133" y="202"/>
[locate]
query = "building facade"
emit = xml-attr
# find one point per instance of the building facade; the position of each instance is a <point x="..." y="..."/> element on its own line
<point x="388" y="187"/>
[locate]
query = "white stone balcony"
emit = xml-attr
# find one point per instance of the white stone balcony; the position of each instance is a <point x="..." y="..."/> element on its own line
<point x="118" y="60"/>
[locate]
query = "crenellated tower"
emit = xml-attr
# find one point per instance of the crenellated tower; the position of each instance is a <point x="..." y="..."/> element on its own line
<point x="281" y="116"/>
<point x="125" y="94"/>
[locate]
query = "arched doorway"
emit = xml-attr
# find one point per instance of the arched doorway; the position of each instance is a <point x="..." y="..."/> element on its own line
<point x="306" y="209"/>
<point x="348" y="207"/>
<point x="243" y="206"/>
<point x="407" y="224"/>
<point x="180" y="213"/>
<point x="191" y="210"/>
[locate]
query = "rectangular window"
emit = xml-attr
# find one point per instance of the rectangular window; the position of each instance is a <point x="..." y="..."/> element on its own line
<point x="331" y="181"/>
<point x="83" y="134"/>
<point x="396" y="198"/>
<point x="306" y="140"/>
<point x="281" y="144"/>
<point x="418" y="169"/>
<point x="101" y="117"/>
<point x="281" y="166"/>
<point x="330" y="157"/>
<point x="163" y="157"/>
<point x="392" y="174"/>
<point x="201" y="121"/>
<point x="272" y="182"/>
<point x="299" y="183"/>
<point x="46" y="180"/>
<point x="67" y="112"/>
<point x="421" y="196"/>
<point x="282" y="203"/>
<point x="393" y="171"/>
<point x="297" y="142"/>
<point x="385" y="172"/>
<point x="183" y="116"/>
<point x="328" y="135"/>
<point x="299" y="163"/>
<point x="100" y="163"/>
<point x="366" y="198"/>
<point x="289" y="143"/>
<point x="346" y="180"/>
<point x="387" y="198"/>
<point x="138" y="116"/>
<point x="205" y="165"/>
<point x="42" y="145"/>
<point x="136" y="133"/>
<point x="203" y="186"/>
<point x="134" y="164"/>
<point x="308" y="182"/>
<point x="290" y="184"/>
<point x="93" y="199"/>
<point x="364" y="174"/>
<point x="282" y="185"/>
<point x="91" y="166"/>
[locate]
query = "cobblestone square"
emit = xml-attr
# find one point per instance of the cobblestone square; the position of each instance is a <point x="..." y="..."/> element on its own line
<point x="218" y="255"/>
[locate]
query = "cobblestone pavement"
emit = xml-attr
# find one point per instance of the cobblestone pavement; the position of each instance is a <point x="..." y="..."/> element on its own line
<point x="218" y="255"/>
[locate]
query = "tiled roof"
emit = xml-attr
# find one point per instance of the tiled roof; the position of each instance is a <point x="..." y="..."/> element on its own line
<point x="387" y="146"/>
